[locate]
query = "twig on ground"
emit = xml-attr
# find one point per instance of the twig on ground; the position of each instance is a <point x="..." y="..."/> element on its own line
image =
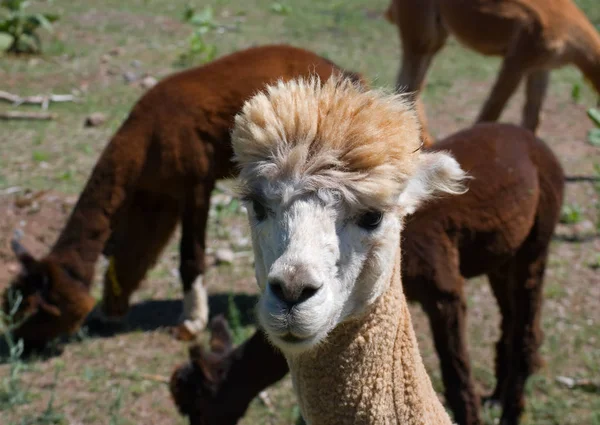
<point x="266" y="400"/>
<point x="10" y="190"/>
<point x="43" y="100"/>
<point x="17" y="115"/>
<point x="584" y="384"/>
<point x="143" y="376"/>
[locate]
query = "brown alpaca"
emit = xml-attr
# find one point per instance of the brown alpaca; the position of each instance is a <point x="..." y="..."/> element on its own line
<point x="158" y="169"/>
<point x="533" y="36"/>
<point x="501" y="227"/>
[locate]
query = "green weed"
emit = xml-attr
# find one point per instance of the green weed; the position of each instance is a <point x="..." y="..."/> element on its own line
<point x="571" y="214"/>
<point x="280" y="8"/>
<point x="39" y="156"/>
<point x="115" y="407"/>
<point x="576" y="92"/>
<point x="597" y="190"/>
<point x="235" y="320"/>
<point x="49" y="416"/>
<point x="594" y="134"/>
<point x="18" y="29"/>
<point x="199" y="50"/>
<point x="12" y="389"/>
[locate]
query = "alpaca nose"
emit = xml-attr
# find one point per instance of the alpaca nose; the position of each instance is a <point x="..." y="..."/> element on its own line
<point x="292" y="294"/>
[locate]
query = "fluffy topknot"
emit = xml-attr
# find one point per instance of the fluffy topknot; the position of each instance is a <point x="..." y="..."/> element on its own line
<point x="336" y="134"/>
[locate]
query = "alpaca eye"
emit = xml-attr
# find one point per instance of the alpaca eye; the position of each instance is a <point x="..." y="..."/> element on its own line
<point x="260" y="212"/>
<point x="370" y="220"/>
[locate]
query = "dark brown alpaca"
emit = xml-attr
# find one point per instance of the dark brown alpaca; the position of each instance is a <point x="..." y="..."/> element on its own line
<point x="501" y="227"/>
<point x="532" y="36"/>
<point x="158" y="169"/>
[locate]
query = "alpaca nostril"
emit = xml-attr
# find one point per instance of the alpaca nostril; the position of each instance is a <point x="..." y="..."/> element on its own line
<point x="307" y="292"/>
<point x="276" y="287"/>
<point x="291" y="294"/>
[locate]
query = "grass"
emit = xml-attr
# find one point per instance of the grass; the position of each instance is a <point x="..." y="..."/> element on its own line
<point x="105" y="379"/>
<point x="571" y="214"/>
<point x="14" y="392"/>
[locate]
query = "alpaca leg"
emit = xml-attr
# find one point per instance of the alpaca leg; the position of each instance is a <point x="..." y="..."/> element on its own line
<point x="410" y="80"/>
<point x="505" y="86"/>
<point x="502" y="288"/>
<point x="537" y="86"/>
<point x="520" y="57"/>
<point x="527" y="335"/>
<point x="192" y="266"/>
<point x="142" y="232"/>
<point x="422" y="35"/>
<point x="447" y="318"/>
<point x="426" y="137"/>
<point x="413" y="71"/>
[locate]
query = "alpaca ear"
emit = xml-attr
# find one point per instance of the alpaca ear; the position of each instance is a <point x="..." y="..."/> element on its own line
<point x="214" y="367"/>
<point x="221" y="339"/>
<point x="25" y="258"/>
<point x="47" y="307"/>
<point x="437" y="173"/>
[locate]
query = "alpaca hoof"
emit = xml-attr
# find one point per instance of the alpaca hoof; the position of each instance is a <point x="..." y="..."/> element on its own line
<point x="99" y="315"/>
<point x="182" y="333"/>
<point x="491" y="402"/>
<point x="188" y="330"/>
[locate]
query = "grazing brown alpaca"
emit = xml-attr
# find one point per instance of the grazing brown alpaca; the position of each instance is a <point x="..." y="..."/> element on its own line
<point x="158" y="169"/>
<point x="501" y="227"/>
<point x="533" y="36"/>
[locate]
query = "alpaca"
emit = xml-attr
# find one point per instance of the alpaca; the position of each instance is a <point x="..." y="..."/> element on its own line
<point x="159" y="168"/>
<point x="202" y="390"/>
<point x="328" y="172"/>
<point x="501" y="227"/>
<point x="533" y="36"/>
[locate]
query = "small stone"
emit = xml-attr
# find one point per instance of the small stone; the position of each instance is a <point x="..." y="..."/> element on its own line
<point x="70" y="200"/>
<point x="136" y="63"/>
<point x="224" y="256"/>
<point x="243" y="242"/>
<point x="130" y="76"/>
<point x="13" y="268"/>
<point x="585" y="226"/>
<point x="221" y="199"/>
<point x="94" y="120"/>
<point x="148" y="82"/>
<point x="116" y="51"/>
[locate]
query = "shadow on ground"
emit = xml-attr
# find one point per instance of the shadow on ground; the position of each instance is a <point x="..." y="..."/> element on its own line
<point x="578" y="179"/>
<point x="146" y="316"/>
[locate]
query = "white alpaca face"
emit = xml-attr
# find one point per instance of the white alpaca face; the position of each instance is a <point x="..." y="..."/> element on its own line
<point x="317" y="263"/>
<point x="320" y="262"/>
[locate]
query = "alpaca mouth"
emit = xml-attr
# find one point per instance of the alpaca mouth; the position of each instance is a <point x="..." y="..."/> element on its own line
<point x="292" y="339"/>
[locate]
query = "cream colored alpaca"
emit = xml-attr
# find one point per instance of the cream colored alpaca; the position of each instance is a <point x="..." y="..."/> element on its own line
<point x="533" y="36"/>
<point x="328" y="172"/>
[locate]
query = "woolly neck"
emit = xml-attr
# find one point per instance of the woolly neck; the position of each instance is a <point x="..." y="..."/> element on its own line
<point x="369" y="370"/>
